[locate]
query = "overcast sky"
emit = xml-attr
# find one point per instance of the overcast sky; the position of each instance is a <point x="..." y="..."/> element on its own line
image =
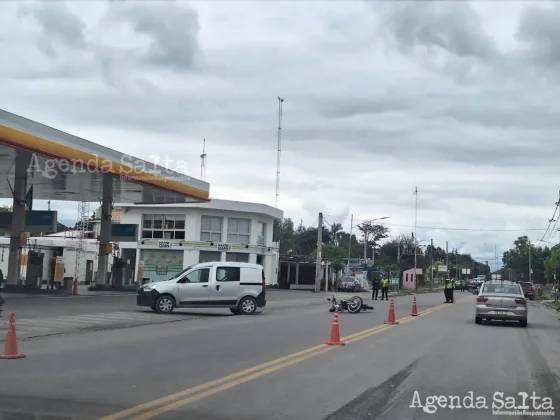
<point x="460" y="99"/>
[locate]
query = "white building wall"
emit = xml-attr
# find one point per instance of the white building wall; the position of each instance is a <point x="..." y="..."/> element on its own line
<point x="193" y="222"/>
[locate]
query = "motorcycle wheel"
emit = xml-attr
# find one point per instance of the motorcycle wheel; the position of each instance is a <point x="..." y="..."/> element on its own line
<point x="355" y="304"/>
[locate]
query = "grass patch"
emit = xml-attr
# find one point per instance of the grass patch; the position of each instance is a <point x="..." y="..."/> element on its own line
<point x="555" y="305"/>
<point x="544" y="296"/>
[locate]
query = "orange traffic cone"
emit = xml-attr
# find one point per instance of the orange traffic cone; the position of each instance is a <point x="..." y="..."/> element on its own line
<point x="414" y="308"/>
<point x="75" y="290"/>
<point x="335" y="332"/>
<point x="11" y="349"/>
<point x="391" y="320"/>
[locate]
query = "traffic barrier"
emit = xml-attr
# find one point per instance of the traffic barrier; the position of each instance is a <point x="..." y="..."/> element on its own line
<point x="391" y="320"/>
<point x="11" y="348"/>
<point x="75" y="289"/>
<point x="414" y="308"/>
<point x="335" y="332"/>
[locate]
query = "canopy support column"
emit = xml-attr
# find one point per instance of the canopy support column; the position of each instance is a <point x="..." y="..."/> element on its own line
<point x="105" y="230"/>
<point x="23" y="159"/>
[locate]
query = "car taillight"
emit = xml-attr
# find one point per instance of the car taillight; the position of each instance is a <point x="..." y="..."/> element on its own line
<point x="482" y="299"/>
<point x="521" y="301"/>
<point x="264" y="285"/>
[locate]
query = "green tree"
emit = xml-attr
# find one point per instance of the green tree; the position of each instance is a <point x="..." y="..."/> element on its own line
<point x="552" y="265"/>
<point x="516" y="261"/>
<point x="6" y="209"/>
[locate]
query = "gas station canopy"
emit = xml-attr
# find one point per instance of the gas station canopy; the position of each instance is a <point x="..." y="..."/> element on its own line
<point x="68" y="168"/>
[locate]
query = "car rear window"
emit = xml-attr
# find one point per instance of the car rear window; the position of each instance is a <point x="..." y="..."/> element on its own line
<point x="499" y="288"/>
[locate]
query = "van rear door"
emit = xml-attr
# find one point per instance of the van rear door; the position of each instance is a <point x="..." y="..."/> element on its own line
<point x="225" y="286"/>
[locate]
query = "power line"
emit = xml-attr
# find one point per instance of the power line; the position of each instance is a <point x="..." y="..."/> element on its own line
<point x="449" y="228"/>
<point x="550" y="222"/>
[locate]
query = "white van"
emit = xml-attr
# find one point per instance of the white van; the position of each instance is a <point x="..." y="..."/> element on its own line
<point x="238" y="286"/>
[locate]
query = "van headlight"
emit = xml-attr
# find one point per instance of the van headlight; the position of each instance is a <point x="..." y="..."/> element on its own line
<point x="148" y="288"/>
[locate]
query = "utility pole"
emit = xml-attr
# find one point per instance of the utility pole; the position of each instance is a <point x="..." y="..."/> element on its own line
<point x="399" y="264"/>
<point x="447" y="258"/>
<point x="432" y="263"/>
<point x="318" y="266"/>
<point x="349" y="245"/>
<point x="365" y="243"/>
<point x="280" y="102"/>
<point x="456" y="264"/>
<point x="415" y="237"/>
<point x="530" y="270"/>
<point x="496" y="256"/>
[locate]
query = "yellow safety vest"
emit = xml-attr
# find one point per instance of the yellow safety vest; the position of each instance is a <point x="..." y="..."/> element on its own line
<point x="449" y="284"/>
<point x="384" y="283"/>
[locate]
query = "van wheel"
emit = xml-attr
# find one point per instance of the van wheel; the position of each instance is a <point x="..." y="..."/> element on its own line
<point x="478" y="320"/>
<point x="164" y="304"/>
<point x="235" y="311"/>
<point x="523" y="323"/>
<point x="247" y="306"/>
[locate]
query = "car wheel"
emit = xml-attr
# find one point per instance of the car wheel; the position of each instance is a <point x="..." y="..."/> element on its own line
<point x="523" y="323"/>
<point x="478" y="320"/>
<point x="235" y="311"/>
<point x="165" y="304"/>
<point x="247" y="305"/>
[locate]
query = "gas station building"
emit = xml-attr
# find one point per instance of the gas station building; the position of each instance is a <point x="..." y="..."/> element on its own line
<point x="40" y="162"/>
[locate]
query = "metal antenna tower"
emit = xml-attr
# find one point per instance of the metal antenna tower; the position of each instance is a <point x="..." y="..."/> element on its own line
<point x="203" y="161"/>
<point x="81" y="248"/>
<point x="280" y="101"/>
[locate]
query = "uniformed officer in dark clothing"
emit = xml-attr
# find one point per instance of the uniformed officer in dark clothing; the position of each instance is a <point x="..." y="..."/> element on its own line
<point x="376" y="284"/>
<point x="448" y="290"/>
<point x="385" y="289"/>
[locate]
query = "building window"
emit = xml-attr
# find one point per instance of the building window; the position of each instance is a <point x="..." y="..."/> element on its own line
<point x="261" y="239"/>
<point x="159" y="226"/>
<point x="209" y="256"/>
<point x="238" y="231"/>
<point x="237" y="257"/>
<point x="211" y="229"/>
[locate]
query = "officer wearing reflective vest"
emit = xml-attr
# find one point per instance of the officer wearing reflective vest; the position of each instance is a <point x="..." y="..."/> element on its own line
<point x="385" y="289"/>
<point x="448" y="290"/>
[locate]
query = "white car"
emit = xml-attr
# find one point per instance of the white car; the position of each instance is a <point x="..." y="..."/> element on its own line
<point x="238" y="286"/>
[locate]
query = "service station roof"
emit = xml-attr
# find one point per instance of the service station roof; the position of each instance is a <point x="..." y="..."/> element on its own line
<point x="69" y="168"/>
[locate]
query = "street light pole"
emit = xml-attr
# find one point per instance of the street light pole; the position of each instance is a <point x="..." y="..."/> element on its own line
<point x="415" y="237"/>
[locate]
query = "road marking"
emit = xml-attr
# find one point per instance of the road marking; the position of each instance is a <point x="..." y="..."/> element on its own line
<point x="229" y="381"/>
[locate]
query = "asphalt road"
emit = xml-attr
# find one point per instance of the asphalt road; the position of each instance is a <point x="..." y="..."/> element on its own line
<point x="275" y="365"/>
<point x="40" y="316"/>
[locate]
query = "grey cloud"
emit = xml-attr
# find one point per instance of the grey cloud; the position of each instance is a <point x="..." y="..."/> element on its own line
<point x="539" y="32"/>
<point x="56" y="22"/>
<point x="171" y="26"/>
<point x="452" y="26"/>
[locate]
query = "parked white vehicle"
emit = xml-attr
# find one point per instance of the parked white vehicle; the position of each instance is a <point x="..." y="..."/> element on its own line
<point x="238" y="286"/>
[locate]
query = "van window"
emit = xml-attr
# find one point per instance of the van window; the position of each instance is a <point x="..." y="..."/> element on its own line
<point x="228" y="274"/>
<point x="197" y="276"/>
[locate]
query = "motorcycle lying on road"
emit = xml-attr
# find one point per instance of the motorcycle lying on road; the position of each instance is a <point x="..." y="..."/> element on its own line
<point x="353" y="305"/>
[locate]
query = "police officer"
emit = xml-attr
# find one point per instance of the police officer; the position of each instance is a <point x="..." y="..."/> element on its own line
<point x="385" y="289"/>
<point x="375" y="284"/>
<point x="448" y="290"/>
